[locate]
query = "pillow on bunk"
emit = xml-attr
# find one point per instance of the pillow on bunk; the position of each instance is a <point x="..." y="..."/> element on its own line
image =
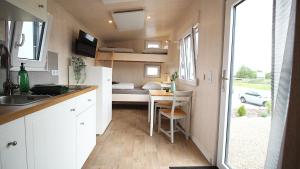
<point x="152" y="86"/>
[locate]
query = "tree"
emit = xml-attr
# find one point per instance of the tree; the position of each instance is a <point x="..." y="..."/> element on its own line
<point x="245" y="72"/>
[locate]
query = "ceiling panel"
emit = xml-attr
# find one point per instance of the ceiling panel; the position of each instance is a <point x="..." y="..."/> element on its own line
<point x="129" y="20"/>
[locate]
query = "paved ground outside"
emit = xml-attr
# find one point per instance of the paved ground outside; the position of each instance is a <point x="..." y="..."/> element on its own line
<point x="249" y="135"/>
<point x="248" y="142"/>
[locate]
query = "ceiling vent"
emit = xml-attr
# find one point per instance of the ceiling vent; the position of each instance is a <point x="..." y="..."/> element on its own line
<point x="129" y="20"/>
<point x="117" y="1"/>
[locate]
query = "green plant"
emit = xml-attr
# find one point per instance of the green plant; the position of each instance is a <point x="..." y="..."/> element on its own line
<point x="78" y="65"/>
<point x="268" y="105"/>
<point x="264" y="114"/>
<point x="268" y="75"/>
<point x="174" y="76"/>
<point x="241" y="111"/>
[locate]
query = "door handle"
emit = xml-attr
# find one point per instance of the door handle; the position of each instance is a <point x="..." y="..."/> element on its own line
<point x="11" y="144"/>
<point x="22" y="41"/>
<point x="224" y="79"/>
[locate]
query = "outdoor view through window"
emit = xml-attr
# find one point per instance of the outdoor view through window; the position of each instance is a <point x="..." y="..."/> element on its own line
<point x="250" y="95"/>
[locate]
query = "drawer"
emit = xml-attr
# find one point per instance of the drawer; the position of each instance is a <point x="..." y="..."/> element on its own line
<point x="12" y="145"/>
<point x="85" y="101"/>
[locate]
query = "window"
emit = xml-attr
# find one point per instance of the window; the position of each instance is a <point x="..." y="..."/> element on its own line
<point x="188" y="56"/>
<point x="28" y="44"/>
<point x="153" y="44"/>
<point x="31" y="38"/>
<point x="152" y="70"/>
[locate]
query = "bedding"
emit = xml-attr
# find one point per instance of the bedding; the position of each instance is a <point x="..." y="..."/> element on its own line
<point x="152" y="86"/>
<point x="155" y="51"/>
<point x="120" y="50"/>
<point x="130" y="91"/>
<point x="123" y="86"/>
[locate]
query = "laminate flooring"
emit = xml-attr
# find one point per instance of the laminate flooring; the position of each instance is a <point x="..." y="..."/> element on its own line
<point x="126" y="144"/>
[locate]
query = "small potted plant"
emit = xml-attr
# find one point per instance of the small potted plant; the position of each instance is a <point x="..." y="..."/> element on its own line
<point x="174" y="76"/>
<point x="78" y="65"/>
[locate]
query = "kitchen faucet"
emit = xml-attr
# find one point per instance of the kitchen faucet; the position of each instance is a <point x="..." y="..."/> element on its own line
<point x="8" y="85"/>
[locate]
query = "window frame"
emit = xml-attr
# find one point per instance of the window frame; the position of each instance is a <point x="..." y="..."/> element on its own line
<point x="152" y="65"/>
<point x="153" y="41"/>
<point x="32" y="65"/>
<point x="185" y="80"/>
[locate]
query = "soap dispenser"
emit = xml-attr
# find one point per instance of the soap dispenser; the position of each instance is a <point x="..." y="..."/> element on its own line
<point x="23" y="79"/>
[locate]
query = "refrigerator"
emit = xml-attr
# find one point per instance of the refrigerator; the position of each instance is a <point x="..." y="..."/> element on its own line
<point x="101" y="77"/>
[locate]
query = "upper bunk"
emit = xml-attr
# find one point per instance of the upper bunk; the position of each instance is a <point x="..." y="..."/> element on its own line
<point x="129" y="55"/>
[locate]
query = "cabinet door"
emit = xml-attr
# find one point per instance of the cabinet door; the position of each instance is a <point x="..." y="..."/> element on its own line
<point x="37" y="8"/>
<point x="51" y="137"/>
<point x="12" y="145"/>
<point x="109" y="95"/>
<point x="86" y="134"/>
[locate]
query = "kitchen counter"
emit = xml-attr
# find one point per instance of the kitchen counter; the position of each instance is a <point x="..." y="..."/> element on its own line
<point x="10" y="113"/>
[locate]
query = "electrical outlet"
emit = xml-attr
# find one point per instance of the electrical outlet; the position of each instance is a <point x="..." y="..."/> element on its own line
<point x="54" y="72"/>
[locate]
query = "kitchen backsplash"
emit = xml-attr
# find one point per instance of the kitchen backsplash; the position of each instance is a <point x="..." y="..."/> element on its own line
<point x="40" y="77"/>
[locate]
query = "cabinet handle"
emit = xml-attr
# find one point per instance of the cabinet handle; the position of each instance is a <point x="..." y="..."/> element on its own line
<point x="13" y="143"/>
<point x="89" y="100"/>
<point x="72" y="109"/>
<point x="41" y="6"/>
<point x="82" y="123"/>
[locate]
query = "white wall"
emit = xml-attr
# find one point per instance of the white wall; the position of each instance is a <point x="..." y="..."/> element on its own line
<point x="65" y="30"/>
<point x="205" y="114"/>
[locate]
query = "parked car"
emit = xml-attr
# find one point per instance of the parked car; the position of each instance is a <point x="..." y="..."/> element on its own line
<point x="254" y="97"/>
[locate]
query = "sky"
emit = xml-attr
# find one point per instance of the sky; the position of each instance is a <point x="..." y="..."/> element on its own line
<point x="253" y="36"/>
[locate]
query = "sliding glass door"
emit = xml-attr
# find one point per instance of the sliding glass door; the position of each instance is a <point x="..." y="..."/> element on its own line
<point x="246" y="103"/>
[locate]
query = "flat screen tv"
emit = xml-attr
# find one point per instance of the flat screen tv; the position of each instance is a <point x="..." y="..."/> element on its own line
<point x="86" y="44"/>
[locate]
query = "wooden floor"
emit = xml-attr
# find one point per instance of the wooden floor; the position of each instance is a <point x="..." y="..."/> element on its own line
<point x="126" y="144"/>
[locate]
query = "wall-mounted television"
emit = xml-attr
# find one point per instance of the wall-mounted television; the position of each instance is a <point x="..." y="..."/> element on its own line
<point x="86" y="44"/>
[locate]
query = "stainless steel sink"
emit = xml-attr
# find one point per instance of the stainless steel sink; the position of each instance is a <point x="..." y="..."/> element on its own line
<point x="21" y="100"/>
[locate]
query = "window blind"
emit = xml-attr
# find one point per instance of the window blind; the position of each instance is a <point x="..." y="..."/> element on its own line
<point x="282" y="59"/>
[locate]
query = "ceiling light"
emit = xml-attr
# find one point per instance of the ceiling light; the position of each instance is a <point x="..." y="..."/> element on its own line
<point x="148" y="17"/>
<point x="110" y="21"/>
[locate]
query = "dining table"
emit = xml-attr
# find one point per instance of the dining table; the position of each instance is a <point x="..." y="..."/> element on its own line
<point x="156" y="96"/>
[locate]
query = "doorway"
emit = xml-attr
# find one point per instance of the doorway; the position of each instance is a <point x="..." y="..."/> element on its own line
<point x="246" y="102"/>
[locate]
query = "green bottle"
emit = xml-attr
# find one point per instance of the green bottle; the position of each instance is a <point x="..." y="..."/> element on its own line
<point x="23" y="79"/>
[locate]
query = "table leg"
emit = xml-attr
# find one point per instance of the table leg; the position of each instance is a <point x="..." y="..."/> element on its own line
<point x="149" y="109"/>
<point x="151" y="116"/>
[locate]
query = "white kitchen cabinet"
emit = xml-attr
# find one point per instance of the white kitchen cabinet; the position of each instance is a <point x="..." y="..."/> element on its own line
<point x="86" y="134"/>
<point x="51" y="137"/>
<point x="13" y="145"/>
<point x="62" y="136"/>
<point x="101" y="77"/>
<point x="36" y="8"/>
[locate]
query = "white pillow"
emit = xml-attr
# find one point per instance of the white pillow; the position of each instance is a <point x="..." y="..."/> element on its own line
<point x="152" y="86"/>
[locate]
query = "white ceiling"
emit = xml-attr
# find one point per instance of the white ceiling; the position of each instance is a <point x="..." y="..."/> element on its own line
<point x="94" y="14"/>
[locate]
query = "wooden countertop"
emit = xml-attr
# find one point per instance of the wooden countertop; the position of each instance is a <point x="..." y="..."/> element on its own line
<point x="10" y="113"/>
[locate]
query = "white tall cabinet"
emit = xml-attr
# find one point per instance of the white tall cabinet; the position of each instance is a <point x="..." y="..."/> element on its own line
<point x="101" y="77"/>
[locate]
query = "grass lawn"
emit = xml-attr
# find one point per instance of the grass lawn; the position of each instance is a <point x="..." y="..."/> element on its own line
<point x="252" y="85"/>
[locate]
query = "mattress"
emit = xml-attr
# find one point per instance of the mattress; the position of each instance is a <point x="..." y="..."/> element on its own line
<point x="123" y="86"/>
<point x="120" y="50"/>
<point x="130" y="91"/>
<point x="155" y="51"/>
